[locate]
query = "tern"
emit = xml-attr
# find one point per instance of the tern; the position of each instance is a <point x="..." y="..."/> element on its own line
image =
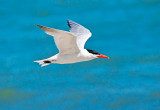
<point x="70" y="45"/>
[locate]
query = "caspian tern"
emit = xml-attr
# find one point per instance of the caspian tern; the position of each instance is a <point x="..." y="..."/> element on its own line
<point x="70" y="45"/>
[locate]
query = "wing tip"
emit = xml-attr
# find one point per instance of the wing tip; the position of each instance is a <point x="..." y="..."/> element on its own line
<point x="39" y="26"/>
<point x="43" y="27"/>
<point x="68" y="22"/>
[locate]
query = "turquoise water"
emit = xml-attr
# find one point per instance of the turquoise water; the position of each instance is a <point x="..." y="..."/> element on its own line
<point x="128" y="31"/>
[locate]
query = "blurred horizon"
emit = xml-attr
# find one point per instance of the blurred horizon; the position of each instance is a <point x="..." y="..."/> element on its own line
<point x="127" y="31"/>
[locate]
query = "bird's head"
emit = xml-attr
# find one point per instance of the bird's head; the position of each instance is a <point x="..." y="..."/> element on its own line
<point x="96" y="54"/>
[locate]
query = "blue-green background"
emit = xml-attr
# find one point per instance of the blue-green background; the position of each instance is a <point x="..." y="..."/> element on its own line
<point x="128" y="31"/>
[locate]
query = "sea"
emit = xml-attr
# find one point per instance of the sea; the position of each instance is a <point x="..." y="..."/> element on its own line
<point x="127" y="31"/>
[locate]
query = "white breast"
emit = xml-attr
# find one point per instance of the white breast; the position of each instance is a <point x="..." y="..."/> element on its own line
<point x="73" y="58"/>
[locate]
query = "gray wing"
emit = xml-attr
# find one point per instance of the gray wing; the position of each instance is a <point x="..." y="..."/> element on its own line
<point x="82" y="33"/>
<point x="65" y="41"/>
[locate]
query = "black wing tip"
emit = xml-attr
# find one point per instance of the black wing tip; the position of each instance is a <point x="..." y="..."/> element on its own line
<point x="68" y="22"/>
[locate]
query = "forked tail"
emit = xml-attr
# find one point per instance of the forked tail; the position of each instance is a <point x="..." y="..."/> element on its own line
<point x="44" y="62"/>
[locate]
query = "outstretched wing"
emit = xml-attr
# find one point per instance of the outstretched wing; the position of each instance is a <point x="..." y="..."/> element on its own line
<point x="80" y="32"/>
<point x="65" y="41"/>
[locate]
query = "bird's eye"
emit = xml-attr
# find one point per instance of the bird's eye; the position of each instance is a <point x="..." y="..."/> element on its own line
<point x="93" y="52"/>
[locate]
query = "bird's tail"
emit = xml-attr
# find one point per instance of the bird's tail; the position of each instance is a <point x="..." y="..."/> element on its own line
<point x="44" y="62"/>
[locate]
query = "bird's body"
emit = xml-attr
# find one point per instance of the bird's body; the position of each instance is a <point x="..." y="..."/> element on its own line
<point x="70" y="45"/>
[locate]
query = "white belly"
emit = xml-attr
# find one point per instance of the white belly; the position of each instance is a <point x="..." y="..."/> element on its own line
<point x="71" y="58"/>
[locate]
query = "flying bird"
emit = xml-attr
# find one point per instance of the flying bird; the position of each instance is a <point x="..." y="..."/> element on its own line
<point x="70" y="45"/>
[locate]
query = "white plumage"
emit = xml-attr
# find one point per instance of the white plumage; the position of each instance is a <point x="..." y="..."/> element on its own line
<point x="70" y="45"/>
